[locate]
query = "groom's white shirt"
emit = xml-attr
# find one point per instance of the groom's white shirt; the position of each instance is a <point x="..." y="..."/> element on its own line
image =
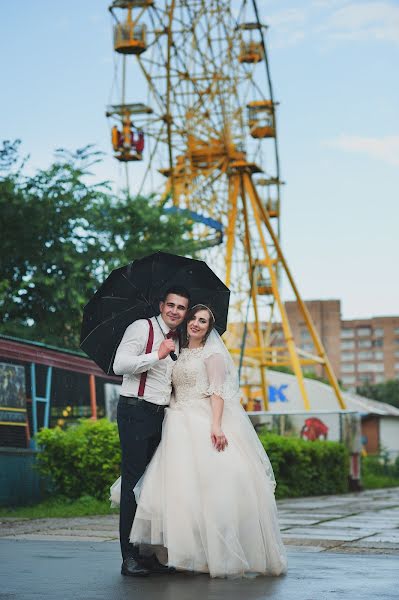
<point x="131" y="361"/>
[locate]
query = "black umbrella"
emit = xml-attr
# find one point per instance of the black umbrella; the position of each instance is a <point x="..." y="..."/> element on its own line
<point x="133" y="292"/>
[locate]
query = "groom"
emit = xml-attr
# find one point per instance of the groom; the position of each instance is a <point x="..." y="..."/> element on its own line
<point x="143" y="359"/>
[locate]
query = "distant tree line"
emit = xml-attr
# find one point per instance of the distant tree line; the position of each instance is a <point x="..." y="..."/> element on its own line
<point x="388" y="391"/>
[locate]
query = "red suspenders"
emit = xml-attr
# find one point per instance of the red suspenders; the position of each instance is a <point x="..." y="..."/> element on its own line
<point x="148" y="349"/>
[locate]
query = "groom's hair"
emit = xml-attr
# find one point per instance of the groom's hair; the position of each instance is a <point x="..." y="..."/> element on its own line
<point x="179" y="290"/>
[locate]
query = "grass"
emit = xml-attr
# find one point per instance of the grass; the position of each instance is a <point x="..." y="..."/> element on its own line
<point x="376" y="474"/>
<point x="371" y="481"/>
<point x="59" y="507"/>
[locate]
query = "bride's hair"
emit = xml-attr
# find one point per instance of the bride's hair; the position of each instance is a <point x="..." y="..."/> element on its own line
<point x="190" y="314"/>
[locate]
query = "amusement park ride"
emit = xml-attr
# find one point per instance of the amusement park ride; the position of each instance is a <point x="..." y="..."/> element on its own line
<point x="206" y="138"/>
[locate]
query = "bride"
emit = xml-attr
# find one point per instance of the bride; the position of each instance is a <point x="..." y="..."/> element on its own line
<point x="207" y="495"/>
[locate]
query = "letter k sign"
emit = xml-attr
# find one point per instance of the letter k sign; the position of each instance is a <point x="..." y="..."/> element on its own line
<point x="277" y="394"/>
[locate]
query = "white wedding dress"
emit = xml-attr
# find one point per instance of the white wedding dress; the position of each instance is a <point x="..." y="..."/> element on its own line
<point x="213" y="511"/>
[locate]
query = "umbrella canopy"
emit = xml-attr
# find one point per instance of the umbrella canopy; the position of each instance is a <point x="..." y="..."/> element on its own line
<point x="133" y="292"/>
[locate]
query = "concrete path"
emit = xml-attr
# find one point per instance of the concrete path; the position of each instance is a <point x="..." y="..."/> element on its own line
<point x="351" y="523"/>
<point x="339" y="547"/>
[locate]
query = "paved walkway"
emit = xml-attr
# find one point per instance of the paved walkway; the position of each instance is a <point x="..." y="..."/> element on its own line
<point x="337" y="549"/>
<point x="351" y="523"/>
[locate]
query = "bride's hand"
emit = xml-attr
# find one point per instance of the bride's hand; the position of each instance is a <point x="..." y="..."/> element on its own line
<point x="218" y="438"/>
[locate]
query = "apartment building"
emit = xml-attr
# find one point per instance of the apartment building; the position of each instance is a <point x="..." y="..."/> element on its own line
<point x="360" y="350"/>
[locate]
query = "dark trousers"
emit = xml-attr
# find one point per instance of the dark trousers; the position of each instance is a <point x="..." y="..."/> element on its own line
<point x="140" y="428"/>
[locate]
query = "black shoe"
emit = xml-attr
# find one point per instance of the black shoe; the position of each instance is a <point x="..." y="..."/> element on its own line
<point x="154" y="566"/>
<point x="131" y="567"/>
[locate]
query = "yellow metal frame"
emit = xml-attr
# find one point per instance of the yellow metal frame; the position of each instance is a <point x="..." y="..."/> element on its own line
<point x="245" y="201"/>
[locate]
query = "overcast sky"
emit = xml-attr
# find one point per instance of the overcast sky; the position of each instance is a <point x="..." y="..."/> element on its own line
<point x="335" y="73"/>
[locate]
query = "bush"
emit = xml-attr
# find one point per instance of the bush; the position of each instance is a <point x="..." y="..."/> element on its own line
<point x="82" y="460"/>
<point x="304" y="468"/>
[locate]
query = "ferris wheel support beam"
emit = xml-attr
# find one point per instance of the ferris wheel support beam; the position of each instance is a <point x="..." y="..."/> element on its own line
<point x="232" y="218"/>
<point x="306" y="315"/>
<point x="251" y="268"/>
<point x="269" y="263"/>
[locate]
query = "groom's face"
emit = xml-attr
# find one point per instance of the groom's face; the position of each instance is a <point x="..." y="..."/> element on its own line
<point x="173" y="310"/>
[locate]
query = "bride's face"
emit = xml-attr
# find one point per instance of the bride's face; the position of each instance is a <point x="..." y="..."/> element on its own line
<point x="198" y="325"/>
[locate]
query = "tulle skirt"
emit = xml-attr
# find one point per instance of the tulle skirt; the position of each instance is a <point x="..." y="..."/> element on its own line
<point x="214" y="512"/>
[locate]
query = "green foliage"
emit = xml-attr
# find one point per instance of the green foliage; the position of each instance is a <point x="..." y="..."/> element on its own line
<point x="388" y="391"/>
<point x="60" y="507"/>
<point x="85" y="460"/>
<point x="377" y="472"/>
<point x="61" y="237"/>
<point x="311" y="375"/>
<point x="304" y="468"/>
<point x="306" y="374"/>
<point x="81" y="460"/>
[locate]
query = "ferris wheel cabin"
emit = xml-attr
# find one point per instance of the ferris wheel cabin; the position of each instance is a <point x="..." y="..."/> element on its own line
<point x="261" y="119"/>
<point x="127" y="140"/>
<point x="251" y="50"/>
<point x="129" y="35"/>
<point x="262" y="280"/>
<point x="271" y="202"/>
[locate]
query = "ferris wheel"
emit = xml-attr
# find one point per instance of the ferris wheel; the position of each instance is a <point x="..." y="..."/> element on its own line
<point x="194" y="120"/>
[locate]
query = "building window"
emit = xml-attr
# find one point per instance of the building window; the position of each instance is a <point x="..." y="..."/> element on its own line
<point x="348" y="379"/>
<point x="365" y="379"/>
<point x="379" y="378"/>
<point x="365" y="355"/>
<point x="347" y="333"/>
<point x="397" y="366"/>
<point x="396" y="331"/>
<point x="379" y="332"/>
<point x="305" y="335"/>
<point x="397" y="341"/>
<point x="378" y="368"/>
<point x="378" y="343"/>
<point x="365" y="367"/>
<point x="347" y="356"/>
<point x="347" y="345"/>
<point x="378" y="355"/>
<point x="396" y="352"/>
<point x="363" y="331"/>
<point x="365" y="343"/>
<point x="347" y="368"/>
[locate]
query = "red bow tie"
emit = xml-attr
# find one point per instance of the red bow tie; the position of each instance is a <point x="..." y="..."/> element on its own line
<point x="172" y="334"/>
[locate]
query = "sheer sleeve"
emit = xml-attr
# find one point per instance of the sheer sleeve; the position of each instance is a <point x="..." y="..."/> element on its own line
<point x="216" y="371"/>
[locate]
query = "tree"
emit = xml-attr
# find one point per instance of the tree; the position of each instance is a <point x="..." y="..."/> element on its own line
<point x="388" y="391"/>
<point x="61" y="236"/>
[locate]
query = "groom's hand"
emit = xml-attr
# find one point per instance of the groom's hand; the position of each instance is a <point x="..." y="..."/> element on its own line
<point x="166" y="347"/>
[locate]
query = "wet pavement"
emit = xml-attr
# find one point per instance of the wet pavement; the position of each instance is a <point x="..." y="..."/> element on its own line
<point x="338" y="547"/>
<point x="90" y="571"/>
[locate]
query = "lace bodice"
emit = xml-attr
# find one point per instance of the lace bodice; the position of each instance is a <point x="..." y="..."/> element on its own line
<point x="191" y="377"/>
